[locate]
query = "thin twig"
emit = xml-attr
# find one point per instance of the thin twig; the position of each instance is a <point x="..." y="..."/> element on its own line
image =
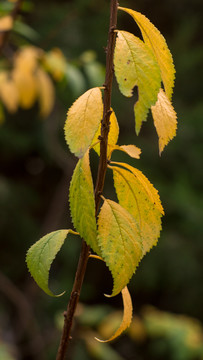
<point x="85" y="251"/>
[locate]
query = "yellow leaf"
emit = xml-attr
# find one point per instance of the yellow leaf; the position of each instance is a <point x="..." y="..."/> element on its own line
<point x="55" y="63"/>
<point x="26" y="59"/>
<point x="135" y="65"/>
<point x="8" y="92"/>
<point x="127" y="315"/>
<point x="138" y="196"/>
<point x="165" y="120"/>
<point x="45" y="92"/>
<point x="131" y="150"/>
<point x="83" y="120"/>
<point x="119" y="240"/>
<point x="112" y="137"/>
<point x="155" y="40"/>
<point x="6" y="23"/>
<point x="27" y="87"/>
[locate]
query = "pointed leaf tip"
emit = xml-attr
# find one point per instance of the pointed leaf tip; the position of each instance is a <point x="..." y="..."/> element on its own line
<point x="41" y="255"/>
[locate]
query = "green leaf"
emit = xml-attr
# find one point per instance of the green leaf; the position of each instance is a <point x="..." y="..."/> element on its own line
<point x="120" y="243"/>
<point x="82" y="203"/>
<point x="155" y="40"/>
<point x="138" y="196"/>
<point x="41" y="255"/>
<point x="135" y="65"/>
<point x="83" y="120"/>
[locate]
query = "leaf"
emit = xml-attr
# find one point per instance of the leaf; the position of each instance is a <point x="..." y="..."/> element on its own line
<point x="55" y="62"/>
<point x="83" y="120"/>
<point x="8" y="92"/>
<point x="27" y="87"/>
<point x="112" y="137"/>
<point x="138" y="196"/>
<point x="135" y="65"/>
<point x="41" y="255"/>
<point x="127" y="315"/>
<point x="165" y="120"/>
<point x="155" y="40"/>
<point x="132" y="150"/>
<point x="6" y="23"/>
<point x="119" y="240"/>
<point x="45" y="92"/>
<point x="82" y="204"/>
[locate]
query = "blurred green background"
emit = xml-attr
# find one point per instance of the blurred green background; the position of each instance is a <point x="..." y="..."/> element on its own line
<point x="36" y="167"/>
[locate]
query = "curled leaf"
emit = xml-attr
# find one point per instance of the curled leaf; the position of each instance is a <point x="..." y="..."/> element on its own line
<point x="132" y="150"/>
<point x="165" y="120"/>
<point x="83" y="120"/>
<point x="41" y="255"/>
<point x="127" y="315"/>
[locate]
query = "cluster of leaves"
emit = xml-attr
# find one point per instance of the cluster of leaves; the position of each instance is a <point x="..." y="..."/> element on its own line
<point x="125" y="231"/>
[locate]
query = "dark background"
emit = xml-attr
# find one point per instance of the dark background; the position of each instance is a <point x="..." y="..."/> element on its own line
<point x="36" y="167"/>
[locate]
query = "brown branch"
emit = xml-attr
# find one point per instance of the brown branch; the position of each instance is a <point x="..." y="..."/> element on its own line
<point x="85" y="251"/>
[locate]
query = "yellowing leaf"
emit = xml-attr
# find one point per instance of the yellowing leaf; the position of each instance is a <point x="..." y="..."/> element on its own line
<point x="8" y="92"/>
<point x="127" y="315"/>
<point x="55" y="63"/>
<point x="41" y="255"/>
<point x="155" y="40"/>
<point x="119" y="240"/>
<point x="83" y="120"/>
<point x="45" y="92"/>
<point x="6" y="23"/>
<point x="112" y="137"/>
<point x="135" y="65"/>
<point x="26" y="59"/>
<point x="165" y="120"/>
<point x="27" y="87"/>
<point x="131" y="150"/>
<point x="140" y="198"/>
<point x="82" y="204"/>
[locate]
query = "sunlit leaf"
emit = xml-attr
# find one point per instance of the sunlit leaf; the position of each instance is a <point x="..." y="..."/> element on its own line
<point x="165" y="120"/>
<point x="45" y="92"/>
<point x="41" y="255"/>
<point x="26" y="84"/>
<point x="132" y="150"/>
<point x="135" y="65"/>
<point x="8" y="92"/>
<point x="55" y="62"/>
<point x="155" y="40"/>
<point x="138" y="196"/>
<point x="83" y="120"/>
<point x="127" y="315"/>
<point x="6" y="23"/>
<point x="82" y="204"/>
<point x="120" y="243"/>
<point x="112" y="136"/>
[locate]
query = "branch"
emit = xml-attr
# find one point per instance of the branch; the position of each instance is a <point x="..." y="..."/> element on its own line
<point x="85" y="251"/>
<point x="5" y="34"/>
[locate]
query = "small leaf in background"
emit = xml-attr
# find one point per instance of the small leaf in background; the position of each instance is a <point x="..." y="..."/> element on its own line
<point x="46" y="92"/>
<point x="165" y="120"/>
<point x="41" y="255"/>
<point x="127" y="315"/>
<point x="132" y="150"/>
<point x="120" y="243"/>
<point x="82" y="204"/>
<point x="55" y="62"/>
<point x="83" y="120"/>
<point x="155" y="40"/>
<point x="6" y="23"/>
<point x="112" y="137"/>
<point x="135" y="65"/>
<point x="140" y="198"/>
<point x="8" y="92"/>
